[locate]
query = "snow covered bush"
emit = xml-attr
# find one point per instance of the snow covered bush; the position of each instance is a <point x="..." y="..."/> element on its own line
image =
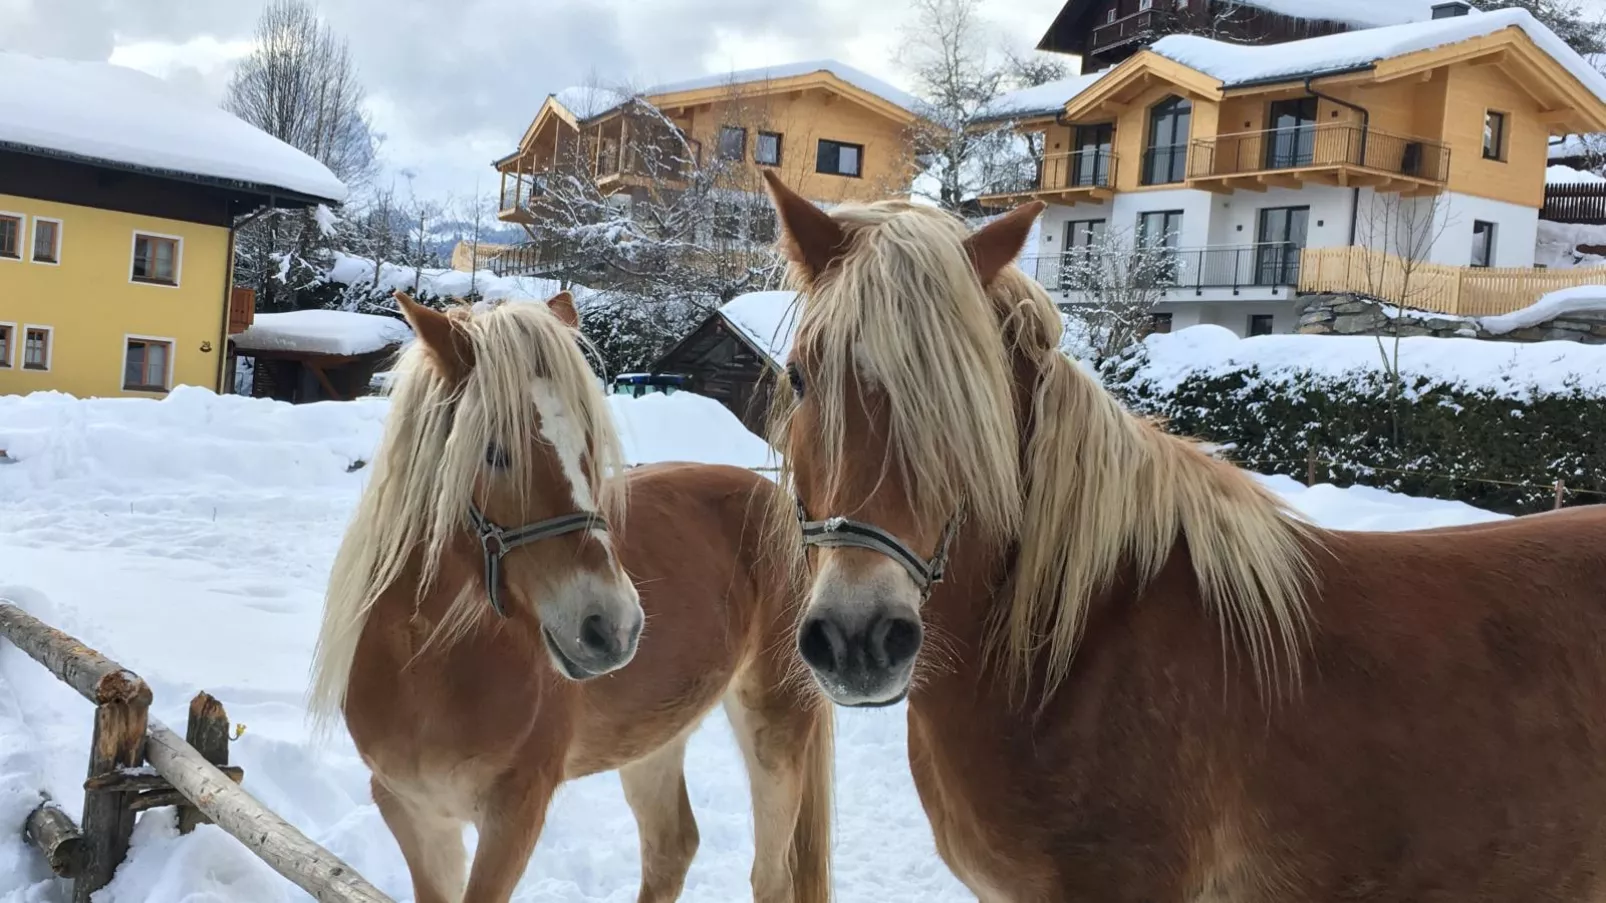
<point x="1494" y="436"/>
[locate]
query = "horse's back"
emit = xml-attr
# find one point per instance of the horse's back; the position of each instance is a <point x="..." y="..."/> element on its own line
<point x="1449" y="738"/>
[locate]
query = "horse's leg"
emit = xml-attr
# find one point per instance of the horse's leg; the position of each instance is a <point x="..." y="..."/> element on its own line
<point x="511" y="816"/>
<point x="432" y="845"/>
<point x="785" y="732"/>
<point x="655" y="788"/>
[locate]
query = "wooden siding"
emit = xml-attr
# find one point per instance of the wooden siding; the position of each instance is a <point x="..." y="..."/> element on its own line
<point x="1463" y="291"/>
<point x="724" y="366"/>
<point x="1520" y="178"/>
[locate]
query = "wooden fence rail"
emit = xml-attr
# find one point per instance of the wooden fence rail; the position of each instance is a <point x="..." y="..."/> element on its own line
<point x="1461" y="291"/>
<point x="189" y="772"/>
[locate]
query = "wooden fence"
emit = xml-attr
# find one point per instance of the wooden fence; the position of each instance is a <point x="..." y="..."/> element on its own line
<point x="190" y="772"/>
<point x="1584" y="203"/>
<point x="1464" y="291"/>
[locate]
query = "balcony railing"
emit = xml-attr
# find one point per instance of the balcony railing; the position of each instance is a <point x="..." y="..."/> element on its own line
<point x="1089" y="169"/>
<point x="1124" y="30"/>
<point x="528" y="259"/>
<point x="1271" y="265"/>
<point x="521" y="188"/>
<point x="1327" y="146"/>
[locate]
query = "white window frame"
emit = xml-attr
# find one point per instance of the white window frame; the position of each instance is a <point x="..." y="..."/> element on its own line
<point x="33" y="235"/>
<point x="11" y="346"/>
<point x="1145" y="5"/>
<point x="50" y="347"/>
<point x="172" y="354"/>
<point x="178" y="259"/>
<point x="23" y="251"/>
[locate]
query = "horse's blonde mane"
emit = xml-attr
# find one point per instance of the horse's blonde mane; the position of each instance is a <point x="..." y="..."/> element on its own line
<point x="1094" y="494"/>
<point x="433" y="447"/>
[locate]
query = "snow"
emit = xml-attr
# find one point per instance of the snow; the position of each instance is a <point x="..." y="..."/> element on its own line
<point x="1236" y="64"/>
<point x="1577" y="146"/>
<point x="1583" y="299"/>
<point x="1367" y="13"/>
<point x="1566" y="175"/>
<point x="767" y="319"/>
<point x="586" y="101"/>
<point x="443" y="283"/>
<point x="1512" y="369"/>
<point x="323" y="332"/>
<point x="108" y="113"/>
<point x="225" y="512"/>
<point x="855" y="77"/>
<point x="1050" y="97"/>
<point x="1556" y="245"/>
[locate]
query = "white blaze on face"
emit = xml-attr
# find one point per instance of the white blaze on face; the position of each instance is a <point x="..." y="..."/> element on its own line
<point x="563" y="431"/>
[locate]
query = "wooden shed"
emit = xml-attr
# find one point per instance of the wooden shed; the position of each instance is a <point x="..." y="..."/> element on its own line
<point x="314" y="355"/>
<point x="736" y="355"/>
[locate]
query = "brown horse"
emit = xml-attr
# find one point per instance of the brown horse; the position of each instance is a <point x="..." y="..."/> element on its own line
<point x="480" y="631"/>
<point x="1147" y="680"/>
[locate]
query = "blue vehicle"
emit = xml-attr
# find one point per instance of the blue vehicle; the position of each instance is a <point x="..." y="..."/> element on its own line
<point x="636" y="385"/>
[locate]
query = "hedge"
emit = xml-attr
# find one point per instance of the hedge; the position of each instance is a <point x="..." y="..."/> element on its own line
<point x="1453" y="442"/>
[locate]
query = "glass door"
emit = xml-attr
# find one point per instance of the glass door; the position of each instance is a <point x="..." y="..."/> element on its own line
<point x="1281" y="240"/>
<point x="1292" y="139"/>
<point x="1092" y="156"/>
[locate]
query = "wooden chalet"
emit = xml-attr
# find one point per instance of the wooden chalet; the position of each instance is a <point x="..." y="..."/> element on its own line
<point x="735" y="356"/>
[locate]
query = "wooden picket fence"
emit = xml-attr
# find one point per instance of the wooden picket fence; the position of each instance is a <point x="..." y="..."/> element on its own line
<point x="1462" y="291"/>
<point x="1583" y="203"/>
<point x="137" y="763"/>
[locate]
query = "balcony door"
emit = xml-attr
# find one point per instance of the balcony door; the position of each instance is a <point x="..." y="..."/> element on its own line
<point x="1080" y="261"/>
<point x="1091" y="157"/>
<point x="1291" y="141"/>
<point x="1159" y="237"/>
<point x="1166" y="160"/>
<point x="1281" y="241"/>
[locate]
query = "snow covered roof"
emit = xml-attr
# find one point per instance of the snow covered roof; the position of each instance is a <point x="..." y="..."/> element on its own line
<point x="1042" y="100"/>
<point x="1566" y="175"/>
<point x="110" y="114"/>
<point x="323" y="332"/>
<point x="855" y="77"/>
<point x="767" y="319"/>
<point x="1236" y="64"/>
<point x="1367" y="13"/>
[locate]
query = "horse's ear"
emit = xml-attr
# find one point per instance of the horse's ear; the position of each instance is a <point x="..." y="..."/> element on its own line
<point x="997" y="244"/>
<point x="562" y="304"/>
<point x="448" y="344"/>
<point x="809" y="236"/>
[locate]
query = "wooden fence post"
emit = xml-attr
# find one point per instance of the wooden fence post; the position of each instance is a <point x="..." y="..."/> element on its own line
<point x="108" y="822"/>
<point x="1561" y="491"/>
<point x="1310" y="466"/>
<point x="208" y="732"/>
<point x="53" y="834"/>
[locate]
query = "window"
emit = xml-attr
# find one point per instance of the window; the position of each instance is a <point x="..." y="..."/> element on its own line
<point x="1109" y="16"/>
<point x="1091" y="166"/>
<point x="1145" y="4"/>
<point x="1494" y="136"/>
<point x="36" y="348"/>
<point x="156" y="259"/>
<point x="1166" y="160"/>
<point x="7" y="331"/>
<point x="1293" y="133"/>
<point x="1482" y="243"/>
<point x="839" y="159"/>
<point x="46" y="240"/>
<point x="1079" y="267"/>
<point x="1160" y="323"/>
<point x="145" y="364"/>
<point x="1160" y="229"/>
<point x="732" y="142"/>
<point x="767" y="150"/>
<point x="1260" y="324"/>
<point x="1278" y="245"/>
<point x="11" y="236"/>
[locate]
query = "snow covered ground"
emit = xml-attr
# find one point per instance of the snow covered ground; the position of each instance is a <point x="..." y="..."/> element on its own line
<point x="131" y="523"/>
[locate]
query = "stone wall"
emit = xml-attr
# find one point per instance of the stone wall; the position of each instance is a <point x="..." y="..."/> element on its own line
<point x="1358" y="315"/>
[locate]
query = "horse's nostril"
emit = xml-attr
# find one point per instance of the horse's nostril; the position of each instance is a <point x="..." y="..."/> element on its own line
<point x="821" y="645"/>
<point x="894" y="641"/>
<point x="595" y="635"/>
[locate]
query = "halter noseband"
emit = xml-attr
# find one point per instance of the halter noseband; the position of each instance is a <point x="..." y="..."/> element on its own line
<point x="497" y="542"/>
<point x="842" y="532"/>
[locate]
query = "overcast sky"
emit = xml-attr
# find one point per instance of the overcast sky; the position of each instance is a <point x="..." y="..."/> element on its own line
<point x="452" y="83"/>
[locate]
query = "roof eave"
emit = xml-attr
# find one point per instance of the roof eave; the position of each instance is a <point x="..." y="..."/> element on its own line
<point x="273" y="192"/>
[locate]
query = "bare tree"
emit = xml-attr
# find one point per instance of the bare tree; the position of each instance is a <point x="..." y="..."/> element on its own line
<point x="1116" y="282"/>
<point x="960" y="77"/>
<point x="299" y="85"/>
<point x="476" y="212"/>
<point x="1399" y="234"/>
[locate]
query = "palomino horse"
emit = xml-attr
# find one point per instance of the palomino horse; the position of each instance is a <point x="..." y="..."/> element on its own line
<point x="480" y="632"/>
<point x="1149" y="681"/>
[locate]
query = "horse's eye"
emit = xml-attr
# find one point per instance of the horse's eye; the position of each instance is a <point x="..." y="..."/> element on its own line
<point x="496" y="456"/>
<point x="796" y="379"/>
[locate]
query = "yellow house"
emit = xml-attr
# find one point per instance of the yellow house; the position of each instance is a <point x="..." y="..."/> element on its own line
<point x="835" y="133"/>
<point x="1259" y="168"/>
<point x="119" y="201"/>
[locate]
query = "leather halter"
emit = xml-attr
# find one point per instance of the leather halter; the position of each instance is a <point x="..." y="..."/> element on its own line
<point x="497" y="541"/>
<point x="842" y="532"/>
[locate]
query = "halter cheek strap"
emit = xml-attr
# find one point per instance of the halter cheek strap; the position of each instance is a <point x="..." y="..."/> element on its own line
<point x="842" y="532"/>
<point x="497" y="542"/>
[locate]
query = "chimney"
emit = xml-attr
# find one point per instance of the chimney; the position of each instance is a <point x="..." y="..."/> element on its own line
<point x="1451" y="8"/>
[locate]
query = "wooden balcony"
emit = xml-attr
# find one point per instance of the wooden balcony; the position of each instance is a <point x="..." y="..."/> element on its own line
<point x="1138" y="27"/>
<point x="519" y="189"/>
<point x="1067" y="177"/>
<point x="1340" y="154"/>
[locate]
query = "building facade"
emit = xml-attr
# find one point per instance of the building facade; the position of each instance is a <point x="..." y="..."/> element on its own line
<point x="1425" y="143"/>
